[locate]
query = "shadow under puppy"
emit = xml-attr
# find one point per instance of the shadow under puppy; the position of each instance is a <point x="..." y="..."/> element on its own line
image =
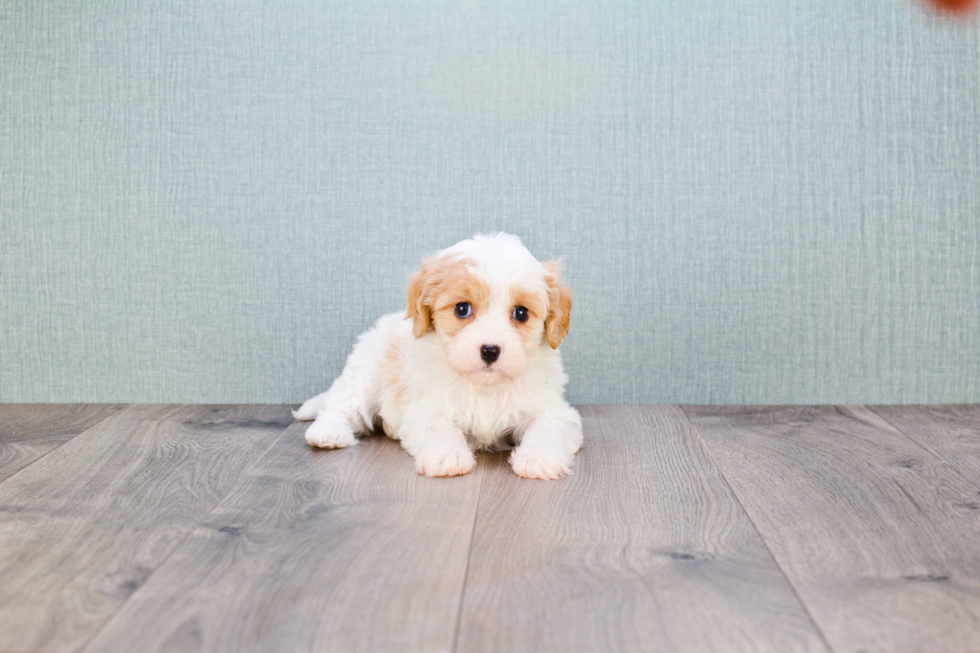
<point x="474" y="364"/>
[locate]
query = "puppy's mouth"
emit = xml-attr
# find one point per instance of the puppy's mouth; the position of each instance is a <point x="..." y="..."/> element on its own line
<point x="487" y="375"/>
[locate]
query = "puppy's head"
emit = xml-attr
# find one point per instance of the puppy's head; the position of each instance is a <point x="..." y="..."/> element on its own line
<point x="491" y="304"/>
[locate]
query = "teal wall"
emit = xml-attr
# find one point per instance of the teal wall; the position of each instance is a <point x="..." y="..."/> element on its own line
<point x="771" y="201"/>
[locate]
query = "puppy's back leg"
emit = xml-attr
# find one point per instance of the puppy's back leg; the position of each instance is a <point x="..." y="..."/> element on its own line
<point x="349" y="407"/>
<point x="331" y="428"/>
<point x="308" y="411"/>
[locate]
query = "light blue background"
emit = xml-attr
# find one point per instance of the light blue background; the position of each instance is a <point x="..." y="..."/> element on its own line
<point x="756" y="201"/>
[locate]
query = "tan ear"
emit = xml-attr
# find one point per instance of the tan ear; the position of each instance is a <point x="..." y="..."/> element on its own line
<point x="419" y="291"/>
<point x="560" y="298"/>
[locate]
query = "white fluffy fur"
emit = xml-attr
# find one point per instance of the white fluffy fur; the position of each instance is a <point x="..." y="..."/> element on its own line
<point x="436" y="395"/>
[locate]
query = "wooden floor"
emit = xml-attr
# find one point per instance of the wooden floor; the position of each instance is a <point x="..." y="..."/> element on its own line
<point x="216" y="528"/>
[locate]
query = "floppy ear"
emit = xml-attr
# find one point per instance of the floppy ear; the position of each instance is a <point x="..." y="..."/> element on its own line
<point x="419" y="290"/>
<point x="559" y="305"/>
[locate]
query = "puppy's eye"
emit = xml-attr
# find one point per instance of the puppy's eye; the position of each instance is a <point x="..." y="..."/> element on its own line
<point x="463" y="309"/>
<point x="520" y="314"/>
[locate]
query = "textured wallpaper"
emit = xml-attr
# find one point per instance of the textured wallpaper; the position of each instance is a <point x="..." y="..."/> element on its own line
<point x="758" y="202"/>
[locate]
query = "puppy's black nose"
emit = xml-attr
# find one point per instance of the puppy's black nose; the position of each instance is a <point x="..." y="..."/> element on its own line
<point x="489" y="353"/>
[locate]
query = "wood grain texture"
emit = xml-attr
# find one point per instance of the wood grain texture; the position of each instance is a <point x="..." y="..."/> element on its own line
<point x="951" y="433"/>
<point x="642" y="548"/>
<point x="30" y="431"/>
<point x="82" y="528"/>
<point x="315" y="550"/>
<point x="880" y="539"/>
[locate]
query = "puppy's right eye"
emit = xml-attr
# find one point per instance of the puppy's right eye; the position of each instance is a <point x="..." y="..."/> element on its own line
<point x="463" y="310"/>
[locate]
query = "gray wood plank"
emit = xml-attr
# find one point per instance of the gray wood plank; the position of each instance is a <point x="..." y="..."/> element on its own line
<point x="643" y="548"/>
<point x="951" y="433"/>
<point x="83" y="527"/>
<point x="315" y="550"/>
<point x="879" y="538"/>
<point x="30" y="431"/>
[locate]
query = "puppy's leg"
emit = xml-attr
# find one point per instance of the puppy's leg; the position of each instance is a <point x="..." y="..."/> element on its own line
<point x="308" y="411"/>
<point x="331" y="430"/>
<point x="348" y="408"/>
<point x="439" y="447"/>
<point x="549" y="445"/>
<point x="344" y="412"/>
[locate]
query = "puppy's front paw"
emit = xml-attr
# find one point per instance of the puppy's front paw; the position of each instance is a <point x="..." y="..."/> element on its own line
<point x="540" y="462"/>
<point x="330" y="433"/>
<point x="440" y="461"/>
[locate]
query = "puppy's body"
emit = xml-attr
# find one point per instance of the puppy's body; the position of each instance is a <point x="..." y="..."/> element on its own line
<point x="444" y="385"/>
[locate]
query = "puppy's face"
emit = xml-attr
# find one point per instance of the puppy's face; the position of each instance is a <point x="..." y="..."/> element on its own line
<point x="491" y="304"/>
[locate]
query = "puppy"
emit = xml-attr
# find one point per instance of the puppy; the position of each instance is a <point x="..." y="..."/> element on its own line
<point x="473" y="365"/>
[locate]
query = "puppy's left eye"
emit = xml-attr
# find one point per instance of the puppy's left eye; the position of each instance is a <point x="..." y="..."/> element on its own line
<point x="520" y="314"/>
<point x="464" y="309"/>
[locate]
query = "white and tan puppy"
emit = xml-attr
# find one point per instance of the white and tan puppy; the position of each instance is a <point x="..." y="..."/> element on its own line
<point x="474" y="364"/>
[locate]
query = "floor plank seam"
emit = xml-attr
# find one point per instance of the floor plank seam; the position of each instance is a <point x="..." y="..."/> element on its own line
<point x="748" y="516"/>
<point x="48" y="453"/>
<point x="926" y="449"/>
<point x="469" y="555"/>
<point x="190" y="531"/>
